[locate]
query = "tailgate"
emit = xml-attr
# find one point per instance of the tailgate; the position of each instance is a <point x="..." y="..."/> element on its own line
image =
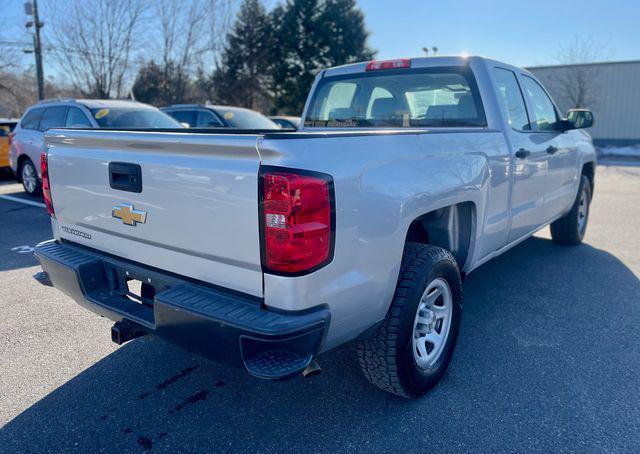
<point x="196" y="212"/>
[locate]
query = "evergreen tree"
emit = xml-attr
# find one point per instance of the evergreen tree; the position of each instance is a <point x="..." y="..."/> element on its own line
<point x="312" y="35"/>
<point x="242" y="78"/>
<point x="149" y="85"/>
<point x="162" y="85"/>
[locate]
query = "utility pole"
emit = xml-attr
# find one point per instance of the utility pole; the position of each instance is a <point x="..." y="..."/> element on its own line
<point x="31" y="9"/>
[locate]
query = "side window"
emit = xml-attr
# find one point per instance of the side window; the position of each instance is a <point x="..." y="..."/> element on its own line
<point x="53" y="117"/>
<point x="543" y="114"/>
<point x="207" y="119"/>
<point x="511" y="97"/>
<point x="77" y="119"/>
<point x="30" y="121"/>
<point x="185" y="116"/>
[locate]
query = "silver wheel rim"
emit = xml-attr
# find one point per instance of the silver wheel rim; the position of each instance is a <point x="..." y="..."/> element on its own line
<point x="583" y="210"/>
<point x="432" y="323"/>
<point x="29" y="177"/>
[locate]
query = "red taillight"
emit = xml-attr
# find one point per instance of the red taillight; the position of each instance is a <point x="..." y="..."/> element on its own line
<point x="10" y="136"/>
<point x="389" y="64"/>
<point x="297" y="219"/>
<point x="46" y="188"/>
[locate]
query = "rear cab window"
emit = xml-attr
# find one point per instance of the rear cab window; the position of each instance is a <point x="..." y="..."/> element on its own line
<point x="421" y="97"/>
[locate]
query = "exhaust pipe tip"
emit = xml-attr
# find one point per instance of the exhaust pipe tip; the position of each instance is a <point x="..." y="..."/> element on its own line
<point x="312" y="369"/>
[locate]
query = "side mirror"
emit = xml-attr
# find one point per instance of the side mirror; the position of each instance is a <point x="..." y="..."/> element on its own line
<point x="184" y="124"/>
<point x="579" y="119"/>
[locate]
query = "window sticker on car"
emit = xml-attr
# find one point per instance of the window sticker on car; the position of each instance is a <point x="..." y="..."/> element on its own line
<point x="101" y="113"/>
<point x="228" y="115"/>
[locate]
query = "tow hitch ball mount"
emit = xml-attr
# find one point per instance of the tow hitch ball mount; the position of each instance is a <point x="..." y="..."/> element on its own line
<point x="124" y="331"/>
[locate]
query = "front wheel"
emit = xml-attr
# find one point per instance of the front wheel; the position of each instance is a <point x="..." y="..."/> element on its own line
<point x="570" y="228"/>
<point x="29" y="176"/>
<point x="411" y="349"/>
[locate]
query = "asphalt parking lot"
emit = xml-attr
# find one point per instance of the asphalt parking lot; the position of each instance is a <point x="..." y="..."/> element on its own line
<point x="548" y="360"/>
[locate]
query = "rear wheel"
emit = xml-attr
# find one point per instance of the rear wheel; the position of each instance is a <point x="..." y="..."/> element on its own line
<point x="411" y="349"/>
<point x="570" y="228"/>
<point x="29" y="176"/>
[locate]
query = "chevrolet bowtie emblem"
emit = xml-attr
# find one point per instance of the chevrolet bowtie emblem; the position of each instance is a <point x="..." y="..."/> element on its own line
<point x="128" y="215"/>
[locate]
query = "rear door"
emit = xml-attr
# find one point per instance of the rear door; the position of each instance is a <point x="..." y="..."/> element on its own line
<point x="529" y="159"/>
<point x="180" y="202"/>
<point x="28" y="138"/>
<point x="52" y="117"/>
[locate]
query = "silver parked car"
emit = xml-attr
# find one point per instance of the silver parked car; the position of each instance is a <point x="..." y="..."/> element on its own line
<point x="27" y="142"/>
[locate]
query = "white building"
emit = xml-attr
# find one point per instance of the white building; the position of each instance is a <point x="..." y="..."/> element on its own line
<point x="611" y="90"/>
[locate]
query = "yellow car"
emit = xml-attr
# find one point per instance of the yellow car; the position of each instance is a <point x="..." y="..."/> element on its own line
<point x="6" y="126"/>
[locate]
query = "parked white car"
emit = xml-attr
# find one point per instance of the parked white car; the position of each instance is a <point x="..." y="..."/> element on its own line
<point x="27" y="142"/>
<point x="266" y="249"/>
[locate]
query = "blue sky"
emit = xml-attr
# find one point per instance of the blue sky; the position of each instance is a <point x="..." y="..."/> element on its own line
<point x="522" y="33"/>
<point x="518" y="32"/>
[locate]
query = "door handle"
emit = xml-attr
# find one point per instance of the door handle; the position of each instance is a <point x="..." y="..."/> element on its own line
<point x="125" y="176"/>
<point x="522" y="153"/>
<point x="552" y="150"/>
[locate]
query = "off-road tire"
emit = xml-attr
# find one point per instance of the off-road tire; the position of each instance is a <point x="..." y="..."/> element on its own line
<point x="566" y="230"/>
<point x="385" y="356"/>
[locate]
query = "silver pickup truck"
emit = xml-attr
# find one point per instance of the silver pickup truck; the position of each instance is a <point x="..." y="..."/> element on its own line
<point x="264" y="249"/>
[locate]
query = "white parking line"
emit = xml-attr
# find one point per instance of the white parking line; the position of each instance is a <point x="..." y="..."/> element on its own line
<point x="19" y="200"/>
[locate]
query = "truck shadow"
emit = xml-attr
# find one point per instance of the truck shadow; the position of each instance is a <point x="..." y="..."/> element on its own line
<point x="21" y="228"/>
<point x="526" y="369"/>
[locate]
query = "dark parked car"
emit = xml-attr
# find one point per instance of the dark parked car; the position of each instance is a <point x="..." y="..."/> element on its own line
<point x="286" y="122"/>
<point x="208" y="116"/>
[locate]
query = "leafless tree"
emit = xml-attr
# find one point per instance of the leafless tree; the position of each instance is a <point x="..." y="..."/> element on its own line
<point x="10" y="55"/>
<point x="183" y="42"/>
<point x="94" y="41"/>
<point x="579" y="84"/>
<point x="18" y="90"/>
<point x="184" y="39"/>
<point x="220" y="14"/>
